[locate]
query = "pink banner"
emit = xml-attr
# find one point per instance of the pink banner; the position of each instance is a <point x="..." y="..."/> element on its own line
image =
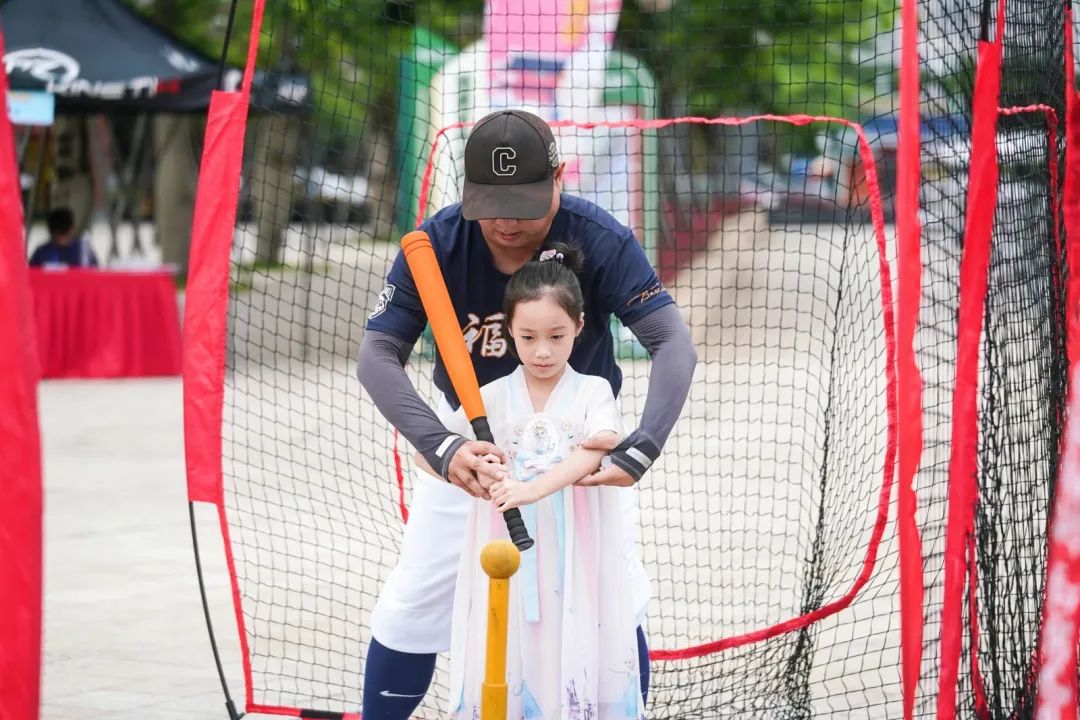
<point x="551" y="28"/>
<point x="205" y="315"/>
<point x="548" y="54"/>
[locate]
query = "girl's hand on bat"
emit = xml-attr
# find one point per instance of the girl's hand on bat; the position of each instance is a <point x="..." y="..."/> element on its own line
<point x="509" y="493"/>
<point x="496" y="468"/>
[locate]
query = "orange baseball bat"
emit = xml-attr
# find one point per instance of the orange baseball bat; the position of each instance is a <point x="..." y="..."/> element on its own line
<point x="424" y="266"/>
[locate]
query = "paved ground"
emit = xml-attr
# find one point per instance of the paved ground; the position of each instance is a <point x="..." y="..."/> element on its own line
<point x="124" y="630"/>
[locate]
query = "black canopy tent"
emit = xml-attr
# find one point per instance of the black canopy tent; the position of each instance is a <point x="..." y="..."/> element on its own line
<point x="101" y="57"/>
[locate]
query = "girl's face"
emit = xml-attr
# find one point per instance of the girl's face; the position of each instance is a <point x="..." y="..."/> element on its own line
<point x="544" y="336"/>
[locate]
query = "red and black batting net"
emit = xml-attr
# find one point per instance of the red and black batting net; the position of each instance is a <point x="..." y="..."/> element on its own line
<point x="753" y="149"/>
<point x="1004" y="441"/>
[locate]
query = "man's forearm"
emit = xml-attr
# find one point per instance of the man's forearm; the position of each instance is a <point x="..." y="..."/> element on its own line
<point x="665" y="335"/>
<point x="380" y="368"/>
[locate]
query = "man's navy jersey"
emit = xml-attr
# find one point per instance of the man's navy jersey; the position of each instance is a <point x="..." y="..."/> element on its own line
<point x="616" y="278"/>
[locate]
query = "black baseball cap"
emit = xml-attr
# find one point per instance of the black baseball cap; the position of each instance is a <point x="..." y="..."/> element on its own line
<point x="510" y="164"/>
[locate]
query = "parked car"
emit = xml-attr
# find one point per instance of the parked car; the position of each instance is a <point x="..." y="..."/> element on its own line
<point x="317" y="196"/>
<point x="336" y="198"/>
<point x="807" y="193"/>
<point x="1022" y="245"/>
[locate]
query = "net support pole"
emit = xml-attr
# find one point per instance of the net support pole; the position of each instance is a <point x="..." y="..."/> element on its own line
<point x="500" y="560"/>
<point x="230" y="706"/>
<point x="205" y="326"/>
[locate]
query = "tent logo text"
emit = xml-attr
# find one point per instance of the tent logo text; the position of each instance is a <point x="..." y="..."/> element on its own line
<point x="60" y="74"/>
<point x="48" y="66"/>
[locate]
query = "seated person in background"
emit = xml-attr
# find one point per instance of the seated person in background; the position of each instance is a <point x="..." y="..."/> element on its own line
<point x="64" y="246"/>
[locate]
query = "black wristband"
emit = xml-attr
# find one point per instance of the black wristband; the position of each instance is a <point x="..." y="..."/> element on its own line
<point x="635" y="456"/>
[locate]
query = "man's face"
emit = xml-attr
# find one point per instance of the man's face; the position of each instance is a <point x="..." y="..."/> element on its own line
<point x="510" y="234"/>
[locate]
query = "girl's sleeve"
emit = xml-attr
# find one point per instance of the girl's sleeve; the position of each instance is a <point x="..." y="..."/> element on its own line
<point x="601" y="411"/>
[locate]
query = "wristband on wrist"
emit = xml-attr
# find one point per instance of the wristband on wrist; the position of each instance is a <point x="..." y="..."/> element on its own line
<point x="440" y="456"/>
<point x="636" y="457"/>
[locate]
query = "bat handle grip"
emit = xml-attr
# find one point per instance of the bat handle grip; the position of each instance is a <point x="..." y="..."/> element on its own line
<point x="515" y="525"/>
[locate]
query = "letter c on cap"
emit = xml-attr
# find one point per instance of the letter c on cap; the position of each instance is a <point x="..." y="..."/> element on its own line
<point x="500" y="161"/>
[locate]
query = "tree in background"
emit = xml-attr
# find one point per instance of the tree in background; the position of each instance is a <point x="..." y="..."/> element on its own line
<point x="176" y="137"/>
<point x="781" y="56"/>
<point x="351" y="52"/>
<point x="776" y="56"/>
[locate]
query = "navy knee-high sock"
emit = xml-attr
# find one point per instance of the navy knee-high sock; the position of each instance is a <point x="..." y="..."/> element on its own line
<point x="395" y="682"/>
<point x="643" y="663"/>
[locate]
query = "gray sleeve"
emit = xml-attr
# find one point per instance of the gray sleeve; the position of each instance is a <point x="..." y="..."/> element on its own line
<point x="665" y="335"/>
<point x="380" y="367"/>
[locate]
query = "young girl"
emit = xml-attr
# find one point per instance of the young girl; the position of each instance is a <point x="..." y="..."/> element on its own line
<point x="574" y="648"/>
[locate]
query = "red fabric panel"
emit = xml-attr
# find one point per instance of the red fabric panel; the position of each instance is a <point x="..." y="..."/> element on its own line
<point x="20" y="454"/>
<point x="979" y="225"/>
<point x="98" y="324"/>
<point x="909" y="380"/>
<point x="1071" y="200"/>
<point x="208" y="293"/>
<point x="206" y="304"/>
<point x="207" y="297"/>
<point x="1058" y="694"/>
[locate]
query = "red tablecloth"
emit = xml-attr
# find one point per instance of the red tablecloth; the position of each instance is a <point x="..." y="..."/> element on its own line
<point x="102" y="324"/>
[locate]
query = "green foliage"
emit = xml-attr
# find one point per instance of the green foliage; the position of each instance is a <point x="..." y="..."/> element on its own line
<point x="351" y="49"/>
<point x="783" y="56"/>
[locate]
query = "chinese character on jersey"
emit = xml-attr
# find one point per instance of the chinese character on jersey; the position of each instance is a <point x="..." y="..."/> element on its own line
<point x="489" y="332"/>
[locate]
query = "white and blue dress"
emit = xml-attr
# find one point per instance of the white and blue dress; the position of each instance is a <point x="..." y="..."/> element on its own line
<point x="580" y="592"/>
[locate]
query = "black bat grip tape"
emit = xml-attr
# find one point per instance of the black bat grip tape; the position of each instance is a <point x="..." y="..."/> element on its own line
<point x="515" y="525"/>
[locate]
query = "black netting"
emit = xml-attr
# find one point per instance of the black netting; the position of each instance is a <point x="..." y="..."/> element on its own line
<point x="765" y="504"/>
<point x="947" y="43"/>
<point x="1022" y="358"/>
<point x="1023" y="380"/>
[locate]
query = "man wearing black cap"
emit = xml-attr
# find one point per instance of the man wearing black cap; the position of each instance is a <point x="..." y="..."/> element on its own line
<point x="512" y="206"/>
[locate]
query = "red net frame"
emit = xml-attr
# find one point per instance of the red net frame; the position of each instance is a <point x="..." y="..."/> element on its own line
<point x="867" y="159"/>
<point x="871" y="557"/>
